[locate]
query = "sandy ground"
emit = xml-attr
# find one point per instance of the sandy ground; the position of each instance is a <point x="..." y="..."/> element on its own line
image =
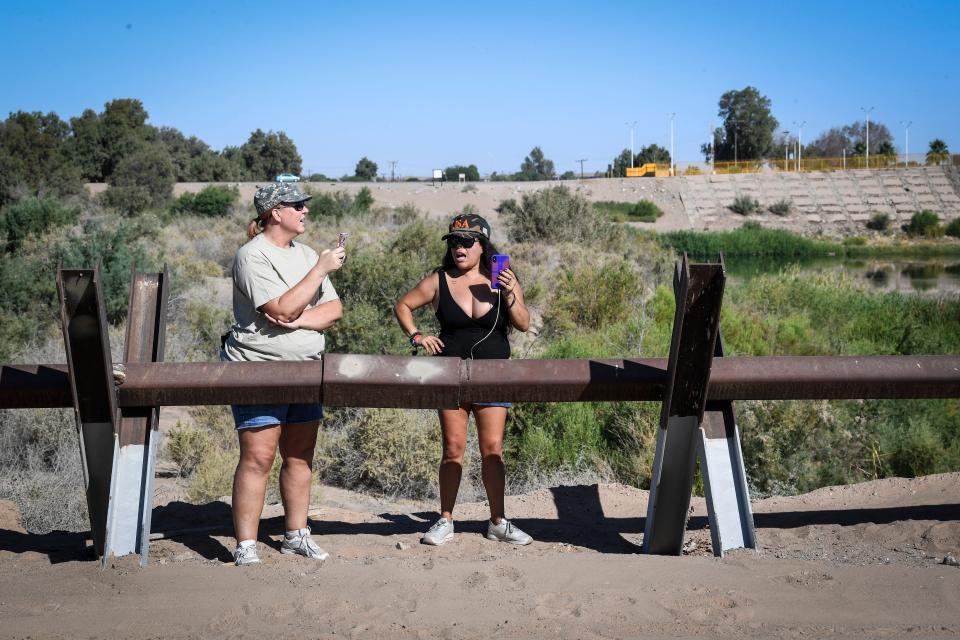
<point x="861" y="561"/>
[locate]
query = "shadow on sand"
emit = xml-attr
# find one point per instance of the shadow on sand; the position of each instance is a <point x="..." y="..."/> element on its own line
<point x="580" y="521"/>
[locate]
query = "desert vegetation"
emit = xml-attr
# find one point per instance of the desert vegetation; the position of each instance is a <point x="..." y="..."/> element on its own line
<point x="596" y="289"/>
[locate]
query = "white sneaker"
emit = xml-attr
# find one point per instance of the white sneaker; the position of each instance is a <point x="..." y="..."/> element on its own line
<point x="246" y="555"/>
<point x="440" y="532"/>
<point x="506" y="532"/>
<point x="303" y="545"/>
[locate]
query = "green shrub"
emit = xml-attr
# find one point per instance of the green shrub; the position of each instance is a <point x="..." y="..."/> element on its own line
<point x="187" y="446"/>
<point x="642" y="211"/>
<point x="953" y="229"/>
<point x="142" y="179"/>
<point x="391" y="451"/>
<point x="213" y="201"/>
<point x="854" y="241"/>
<point x="879" y="222"/>
<point x="363" y="200"/>
<point x="592" y="297"/>
<point x="748" y="240"/>
<point x="556" y="212"/>
<point x="924" y="224"/>
<point x="118" y="249"/>
<point x="744" y="205"/>
<point x="781" y="207"/>
<point x="33" y="216"/>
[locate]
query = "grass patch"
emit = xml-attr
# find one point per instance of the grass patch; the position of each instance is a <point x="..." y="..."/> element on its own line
<point x="642" y="211"/>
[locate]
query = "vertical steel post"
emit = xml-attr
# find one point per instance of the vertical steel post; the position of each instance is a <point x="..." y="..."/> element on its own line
<point x="699" y="293"/>
<point x="131" y="492"/>
<point x="724" y="478"/>
<point x="84" y="322"/>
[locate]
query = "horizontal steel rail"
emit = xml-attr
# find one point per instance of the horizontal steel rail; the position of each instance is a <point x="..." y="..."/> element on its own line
<point x="422" y="382"/>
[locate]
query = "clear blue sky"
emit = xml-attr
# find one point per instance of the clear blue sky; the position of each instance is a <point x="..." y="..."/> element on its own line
<point x="434" y="84"/>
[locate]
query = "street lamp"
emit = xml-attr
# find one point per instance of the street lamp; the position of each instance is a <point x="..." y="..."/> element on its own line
<point x="867" y="111"/>
<point x="786" y="147"/>
<point x="906" y="145"/>
<point x="800" y="145"/>
<point x="672" y="115"/>
<point x="631" y="140"/>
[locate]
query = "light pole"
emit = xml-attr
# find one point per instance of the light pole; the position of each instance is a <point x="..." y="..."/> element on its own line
<point x="906" y="145"/>
<point x="867" y="111"/>
<point x="786" y="147"/>
<point x="672" y="115"/>
<point x="631" y="140"/>
<point x="799" y="142"/>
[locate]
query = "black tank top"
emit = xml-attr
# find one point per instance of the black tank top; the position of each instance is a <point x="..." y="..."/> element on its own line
<point x="459" y="332"/>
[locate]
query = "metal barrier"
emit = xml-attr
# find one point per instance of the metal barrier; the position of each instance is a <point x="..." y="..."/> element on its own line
<point x="117" y="406"/>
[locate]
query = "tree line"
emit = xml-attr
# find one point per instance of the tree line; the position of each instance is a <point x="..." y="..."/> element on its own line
<point x="750" y="132"/>
<point x="41" y="154"/>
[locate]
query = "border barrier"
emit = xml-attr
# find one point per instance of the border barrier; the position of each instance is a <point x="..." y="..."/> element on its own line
<point x="117" y="405"/>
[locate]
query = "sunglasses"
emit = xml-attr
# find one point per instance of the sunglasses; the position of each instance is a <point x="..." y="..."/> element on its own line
<point x="459" y="241"/>
<point x="296" y="206"/>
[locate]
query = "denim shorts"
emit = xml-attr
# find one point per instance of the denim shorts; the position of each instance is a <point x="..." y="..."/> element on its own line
<point x="505" y="405"/>
<point x="248" y="416"/>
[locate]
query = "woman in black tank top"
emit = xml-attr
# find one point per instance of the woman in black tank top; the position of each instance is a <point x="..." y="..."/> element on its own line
<point x="474" y="319"/>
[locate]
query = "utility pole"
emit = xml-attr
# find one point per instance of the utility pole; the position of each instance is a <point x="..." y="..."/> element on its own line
<point x="393" y="163"/>
<point x="581" y="161"/>
<point x="672" y="115"/>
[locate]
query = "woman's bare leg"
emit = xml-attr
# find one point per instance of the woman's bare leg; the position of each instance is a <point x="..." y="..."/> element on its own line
<point x="490" y="425"/>
<point x="258" y="447"/>
<point x="297" y="442"/>
<point x="453" y="430"/>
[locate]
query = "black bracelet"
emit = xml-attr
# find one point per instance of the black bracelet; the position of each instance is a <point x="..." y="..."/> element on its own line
<point x="413" y="339"/>
<point x="512" y="302"/>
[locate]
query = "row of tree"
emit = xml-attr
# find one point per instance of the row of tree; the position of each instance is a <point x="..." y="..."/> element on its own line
<point x="42" y="154"/>
<point x="751" y="132"/>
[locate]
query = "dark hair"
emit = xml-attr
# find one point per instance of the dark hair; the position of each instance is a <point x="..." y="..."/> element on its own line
<point x="488" y="251"/>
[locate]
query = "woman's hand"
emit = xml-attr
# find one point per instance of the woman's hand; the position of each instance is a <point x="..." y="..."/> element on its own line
<point x="331" y="259"/>
<point x="433" y="344"/>
<point x="507" y="280"/>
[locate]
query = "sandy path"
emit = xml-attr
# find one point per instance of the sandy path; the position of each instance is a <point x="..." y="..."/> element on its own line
<point x="860" y="561"/>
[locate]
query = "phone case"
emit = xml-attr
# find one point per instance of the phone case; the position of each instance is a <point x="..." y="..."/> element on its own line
<point x="498" y="263"/>
<point x="342" y="238"/>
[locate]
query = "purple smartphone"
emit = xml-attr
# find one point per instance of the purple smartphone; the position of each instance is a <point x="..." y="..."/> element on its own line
<point x="498" y="263"/>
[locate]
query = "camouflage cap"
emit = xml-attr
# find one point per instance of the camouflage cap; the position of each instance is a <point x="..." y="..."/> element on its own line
<point x="269" y="196"/>
<point x="467" y="225"/>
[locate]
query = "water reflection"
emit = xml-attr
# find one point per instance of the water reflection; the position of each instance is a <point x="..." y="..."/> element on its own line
<point x="928" y="276"/>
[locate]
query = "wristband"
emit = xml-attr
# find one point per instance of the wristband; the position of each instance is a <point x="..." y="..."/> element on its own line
<point x="413" y="339"/>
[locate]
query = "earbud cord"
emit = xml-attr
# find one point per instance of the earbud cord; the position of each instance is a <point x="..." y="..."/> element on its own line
<point x="496" y="319"/>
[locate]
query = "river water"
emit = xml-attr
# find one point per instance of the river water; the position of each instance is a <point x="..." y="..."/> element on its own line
<point x="927" y="276"/>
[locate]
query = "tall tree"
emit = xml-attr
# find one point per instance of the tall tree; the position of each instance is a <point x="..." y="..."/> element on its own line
<point x="267" y="154"/>
<point x="470" y="173"/>
<point x="937" y="152"/>
<point x="748" y="125"/>
<point x="33" y="144"/>
<point x="125" y="130"/>
<point x="652" y="153"/>
<point x="833" y="142"/>
<point x="620" y="164"/>
<point x="366" y="169"/>
<point x="87" y="145"/>
<point x="536" y="166"/>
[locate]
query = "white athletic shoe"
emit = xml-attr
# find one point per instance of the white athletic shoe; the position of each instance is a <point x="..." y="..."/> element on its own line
<point x="303" y="545"/>
<point x="440" y="532"/>
<point x="246" y="555"/>
<point x="506" y="532"/>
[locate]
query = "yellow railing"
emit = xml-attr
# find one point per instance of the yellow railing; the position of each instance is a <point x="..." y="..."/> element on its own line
<point x="813" y="164"/>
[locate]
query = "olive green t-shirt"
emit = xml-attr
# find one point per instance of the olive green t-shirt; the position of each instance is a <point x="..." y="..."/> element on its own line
<point x="263" y="271"/>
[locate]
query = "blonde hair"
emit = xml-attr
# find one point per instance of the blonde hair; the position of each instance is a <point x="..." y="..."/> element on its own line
<point x="257" y="224"/>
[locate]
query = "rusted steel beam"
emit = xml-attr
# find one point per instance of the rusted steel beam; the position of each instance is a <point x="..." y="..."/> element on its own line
<point x="562" y="380"/>
<point x="395" y="383"/>
<point x="390" y="381"/>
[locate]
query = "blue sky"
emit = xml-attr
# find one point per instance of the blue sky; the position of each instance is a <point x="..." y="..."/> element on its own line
<point x="434" y="84"/>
